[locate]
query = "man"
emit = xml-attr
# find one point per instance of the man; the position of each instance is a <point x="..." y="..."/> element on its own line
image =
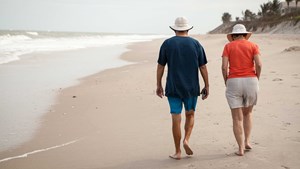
<point x="184" y="56"/>
<point x="243" y="59"/>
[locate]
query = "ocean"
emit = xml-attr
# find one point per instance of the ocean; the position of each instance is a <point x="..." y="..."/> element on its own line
<point x="35" y="66"/>
<point x="13" y="44"/>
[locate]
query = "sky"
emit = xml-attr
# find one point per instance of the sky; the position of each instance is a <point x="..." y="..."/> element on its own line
<point x="118" y="16"/>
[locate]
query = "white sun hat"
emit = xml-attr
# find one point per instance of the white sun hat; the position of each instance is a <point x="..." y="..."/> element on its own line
<point x="181" y="24"/>
<point x="239" y="29"/>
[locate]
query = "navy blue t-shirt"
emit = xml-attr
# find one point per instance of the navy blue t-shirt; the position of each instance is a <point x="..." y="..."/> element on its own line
<point x="184" y="56"/>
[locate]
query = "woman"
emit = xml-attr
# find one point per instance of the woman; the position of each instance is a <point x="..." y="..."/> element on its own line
<point x="242" y="57"/>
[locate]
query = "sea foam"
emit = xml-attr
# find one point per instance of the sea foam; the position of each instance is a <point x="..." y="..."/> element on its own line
<point x="13" y="46"/>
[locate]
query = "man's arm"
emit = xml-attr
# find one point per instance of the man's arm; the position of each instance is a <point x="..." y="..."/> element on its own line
<point x="159" y="75"/>
<point x="204" y="74"/>
<point x="225" y="68"/>
<point x="258" y="65"/>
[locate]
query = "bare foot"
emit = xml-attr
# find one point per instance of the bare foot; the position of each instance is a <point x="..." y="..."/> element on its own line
<point x="239" y="153"/>
<point x="187" y="149"/>
<point x="176" y="156"/>
<point x="248" y="147"/>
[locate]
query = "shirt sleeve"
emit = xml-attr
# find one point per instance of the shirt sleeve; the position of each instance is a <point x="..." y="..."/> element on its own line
<point x="255" y="50"/>
<point x="162" y="59"/>
<point x="225" y="51"/>
<point x="202" y="57"/>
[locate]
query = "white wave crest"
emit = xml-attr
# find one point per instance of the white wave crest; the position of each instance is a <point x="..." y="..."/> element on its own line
<point x="33" y="33"/>
<point x="12" y="46"/>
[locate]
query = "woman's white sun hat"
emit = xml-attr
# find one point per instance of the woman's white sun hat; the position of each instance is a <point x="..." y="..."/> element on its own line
<point x="238" y="29"/>
<point x="181" y="24"/>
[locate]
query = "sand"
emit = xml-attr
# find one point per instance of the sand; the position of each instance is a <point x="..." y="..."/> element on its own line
<point x="113" y="119"/>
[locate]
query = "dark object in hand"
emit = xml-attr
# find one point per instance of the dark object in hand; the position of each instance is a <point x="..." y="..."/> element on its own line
<point x="204" y="93"/>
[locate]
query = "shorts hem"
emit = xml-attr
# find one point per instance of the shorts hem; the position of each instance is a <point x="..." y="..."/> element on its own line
<point x="243" y="106"/>
<point x="175" y="112"/>
<point x="190" y="110"/>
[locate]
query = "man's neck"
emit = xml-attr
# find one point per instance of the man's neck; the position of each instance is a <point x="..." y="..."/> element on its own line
<point x="182" y="33"/>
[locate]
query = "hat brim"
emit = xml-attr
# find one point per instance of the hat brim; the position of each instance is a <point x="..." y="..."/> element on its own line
<point x="230" y="39"/>
<point x="186" y="28"/>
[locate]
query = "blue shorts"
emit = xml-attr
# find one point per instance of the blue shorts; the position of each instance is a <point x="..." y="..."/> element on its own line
<point x="176" y="104"/>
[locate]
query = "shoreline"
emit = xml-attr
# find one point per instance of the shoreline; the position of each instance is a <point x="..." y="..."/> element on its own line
<point x="116" y="121"/>
<point x="34" y="82"/>
<point x="34" y="145"/>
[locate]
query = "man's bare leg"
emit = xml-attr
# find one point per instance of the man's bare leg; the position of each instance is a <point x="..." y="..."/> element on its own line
<point x="247" y="112"/>
<point x="176" y="121"/>
<point x="189" y="124"/>
<point x="237" y="119"/>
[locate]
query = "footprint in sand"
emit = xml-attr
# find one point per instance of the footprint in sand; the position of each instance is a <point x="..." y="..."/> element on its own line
<point x="296" y="76"/>
<point x="191" y="166"/>
<point x="277" y="79"/>
<point x="286" y="124"/>
<point x="292" y="48"/>
<point x="295" y="139"/>
<point x="283" y="166"/>
<point x="273" y="116"/>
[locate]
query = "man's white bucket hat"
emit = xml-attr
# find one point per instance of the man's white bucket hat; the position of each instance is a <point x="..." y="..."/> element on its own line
<point x="181" y="24"/>
<point x="238" y="29"/>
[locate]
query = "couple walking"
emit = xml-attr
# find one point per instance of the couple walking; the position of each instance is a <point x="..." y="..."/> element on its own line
<point x="185" y="57"/>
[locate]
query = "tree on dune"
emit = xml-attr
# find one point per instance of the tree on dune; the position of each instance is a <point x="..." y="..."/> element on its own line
<point x="288" y="3"/>
<point x="265" y="8"/>
<point x="270" y="9"/>
<point x="248" y="15"/>
<point x="226" y="17"/>
<point x="275" y="7"/>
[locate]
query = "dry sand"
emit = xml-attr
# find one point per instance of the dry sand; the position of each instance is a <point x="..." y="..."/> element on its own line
<point x="113" y="119"/>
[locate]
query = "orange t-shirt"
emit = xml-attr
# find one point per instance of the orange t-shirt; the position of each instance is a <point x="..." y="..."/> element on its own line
<point x="240" y="55"/>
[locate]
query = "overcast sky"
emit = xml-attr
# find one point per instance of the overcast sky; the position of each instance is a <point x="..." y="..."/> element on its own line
<point x="118" y="16"/>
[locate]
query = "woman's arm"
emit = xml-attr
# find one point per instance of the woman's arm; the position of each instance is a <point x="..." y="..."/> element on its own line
<point x="225" y="68"/>
<point x="258" y="65"/>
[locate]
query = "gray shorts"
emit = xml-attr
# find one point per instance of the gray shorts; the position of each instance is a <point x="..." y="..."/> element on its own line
<point x="242" y="92"/>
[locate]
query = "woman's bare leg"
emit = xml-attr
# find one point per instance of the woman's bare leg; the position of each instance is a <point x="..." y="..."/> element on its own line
<point x="247" y="113"/>
<point x="237" y="119"/>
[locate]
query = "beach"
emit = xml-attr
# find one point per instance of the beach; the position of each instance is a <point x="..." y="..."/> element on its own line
<point x="113" y="119"/>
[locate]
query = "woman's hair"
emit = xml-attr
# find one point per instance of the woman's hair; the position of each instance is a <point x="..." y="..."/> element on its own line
<point x="237" y="35"/>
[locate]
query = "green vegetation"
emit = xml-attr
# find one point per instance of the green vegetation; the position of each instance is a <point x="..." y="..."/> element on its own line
<point x="226" y="17"/>
<point x="270" y="13"/>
